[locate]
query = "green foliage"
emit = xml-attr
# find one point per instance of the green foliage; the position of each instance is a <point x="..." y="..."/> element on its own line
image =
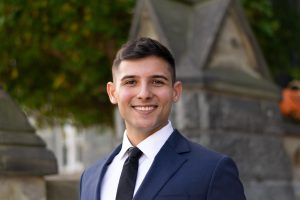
<point x="55" y="56"/>
<point x="277" y="28"/>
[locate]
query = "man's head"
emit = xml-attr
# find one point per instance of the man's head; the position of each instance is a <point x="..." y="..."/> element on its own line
<point x="144" y="87"/>
<point x="142" y="48"/>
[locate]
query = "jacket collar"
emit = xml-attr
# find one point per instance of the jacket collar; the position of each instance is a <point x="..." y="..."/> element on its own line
<point x="163" y="169"/>
<point x="104" y="168"/>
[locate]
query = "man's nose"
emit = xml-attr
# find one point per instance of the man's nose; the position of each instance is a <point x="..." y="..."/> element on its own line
<point x="145" y="92"/>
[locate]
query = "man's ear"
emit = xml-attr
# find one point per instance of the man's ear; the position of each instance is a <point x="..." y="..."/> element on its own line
<point x="177" y="90"/>
<point x="111" y="89"/>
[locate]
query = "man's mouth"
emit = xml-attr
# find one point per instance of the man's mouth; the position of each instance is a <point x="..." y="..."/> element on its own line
<point x="144" y="108"/>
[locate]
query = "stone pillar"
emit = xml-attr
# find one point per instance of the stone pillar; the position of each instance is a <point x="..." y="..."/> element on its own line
<point x="246" y="128"/>
<point x="24" y="159"/>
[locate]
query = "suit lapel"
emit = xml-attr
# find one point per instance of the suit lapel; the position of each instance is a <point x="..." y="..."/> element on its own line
<point x="167" y="162"/>
<point x="103" y="169"/>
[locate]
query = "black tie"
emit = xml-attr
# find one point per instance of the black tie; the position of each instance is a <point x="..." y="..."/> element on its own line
<point x="128" y="176"/>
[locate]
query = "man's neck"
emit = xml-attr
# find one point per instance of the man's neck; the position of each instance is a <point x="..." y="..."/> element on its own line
<point x="137" y="136"/>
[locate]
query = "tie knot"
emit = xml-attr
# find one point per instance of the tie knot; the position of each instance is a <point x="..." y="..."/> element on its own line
<point x="134" y="153"/>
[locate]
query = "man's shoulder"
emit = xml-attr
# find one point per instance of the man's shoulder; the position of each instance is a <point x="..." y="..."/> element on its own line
<point x="97" y="164"/>
<point x="206" y="153"/>
<point x="89" y="179"/>
<point x="201" y="151"/>
<point x="94" y="168"/>
<point x="201" y="148"/>
<point x="207" y="159"/>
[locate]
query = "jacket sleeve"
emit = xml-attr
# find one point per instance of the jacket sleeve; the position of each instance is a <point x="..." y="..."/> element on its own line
<point x="225" y="183"/>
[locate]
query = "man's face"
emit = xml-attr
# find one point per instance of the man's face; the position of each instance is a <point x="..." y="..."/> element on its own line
<point x="144" y="93"/>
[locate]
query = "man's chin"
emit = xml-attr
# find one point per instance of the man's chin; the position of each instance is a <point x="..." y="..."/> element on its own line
<point x="146" y="127"/>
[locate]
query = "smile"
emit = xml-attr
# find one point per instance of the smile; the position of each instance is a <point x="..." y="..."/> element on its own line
<point x="144" y="108"/>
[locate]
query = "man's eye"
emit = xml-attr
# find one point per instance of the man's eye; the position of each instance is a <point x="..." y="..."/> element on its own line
<point x="130" y="82"/>
<point x="158" y="82"/>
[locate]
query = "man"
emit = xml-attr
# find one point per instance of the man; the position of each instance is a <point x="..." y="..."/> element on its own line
<point x="170" y="167"/>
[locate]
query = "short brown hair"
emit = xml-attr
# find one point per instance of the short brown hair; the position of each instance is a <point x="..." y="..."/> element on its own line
<point x="144" y="47"/>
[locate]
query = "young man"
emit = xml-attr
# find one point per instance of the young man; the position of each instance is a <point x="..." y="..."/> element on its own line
<point x="169" y="166"/>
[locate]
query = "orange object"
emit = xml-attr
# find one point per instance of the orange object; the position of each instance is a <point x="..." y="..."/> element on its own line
<point x="290" y="103"/>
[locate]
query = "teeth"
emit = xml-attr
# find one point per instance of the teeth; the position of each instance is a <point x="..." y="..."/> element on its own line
<point x="144" y="108"/>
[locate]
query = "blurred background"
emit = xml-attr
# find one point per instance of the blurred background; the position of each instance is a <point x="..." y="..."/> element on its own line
<point x="55" y="60"/>
<point x="56" y="55"/>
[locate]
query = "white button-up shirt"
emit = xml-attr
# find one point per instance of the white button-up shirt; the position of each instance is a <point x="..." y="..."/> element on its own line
<point x="150" y="147"/>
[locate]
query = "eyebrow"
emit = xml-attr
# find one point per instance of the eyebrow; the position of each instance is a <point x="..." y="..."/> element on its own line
<point x="160" y="76"/>
<point x="128" y="77"/>
<point x="154" y="76"/>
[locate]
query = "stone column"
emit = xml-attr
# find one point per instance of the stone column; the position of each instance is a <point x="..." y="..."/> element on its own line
<point x="24" y="159"/>
<point x="242" y="120"/>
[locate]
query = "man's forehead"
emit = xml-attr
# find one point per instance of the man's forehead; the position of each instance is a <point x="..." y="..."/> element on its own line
<point x="143" y="65"/>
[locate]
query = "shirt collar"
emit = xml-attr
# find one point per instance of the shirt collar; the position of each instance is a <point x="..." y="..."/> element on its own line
<point x="125" y="145"/>
<point x="152" y="144"/>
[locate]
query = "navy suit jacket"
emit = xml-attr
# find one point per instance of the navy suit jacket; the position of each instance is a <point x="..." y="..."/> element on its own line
<point x="181" y="170"/>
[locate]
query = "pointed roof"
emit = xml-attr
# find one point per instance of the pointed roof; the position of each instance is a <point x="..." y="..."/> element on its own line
<point x="195" y="31"/>
<point x="190" y="29"/>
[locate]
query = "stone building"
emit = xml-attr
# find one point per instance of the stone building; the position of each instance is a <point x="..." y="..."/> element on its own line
<point x="229" y="102"/>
